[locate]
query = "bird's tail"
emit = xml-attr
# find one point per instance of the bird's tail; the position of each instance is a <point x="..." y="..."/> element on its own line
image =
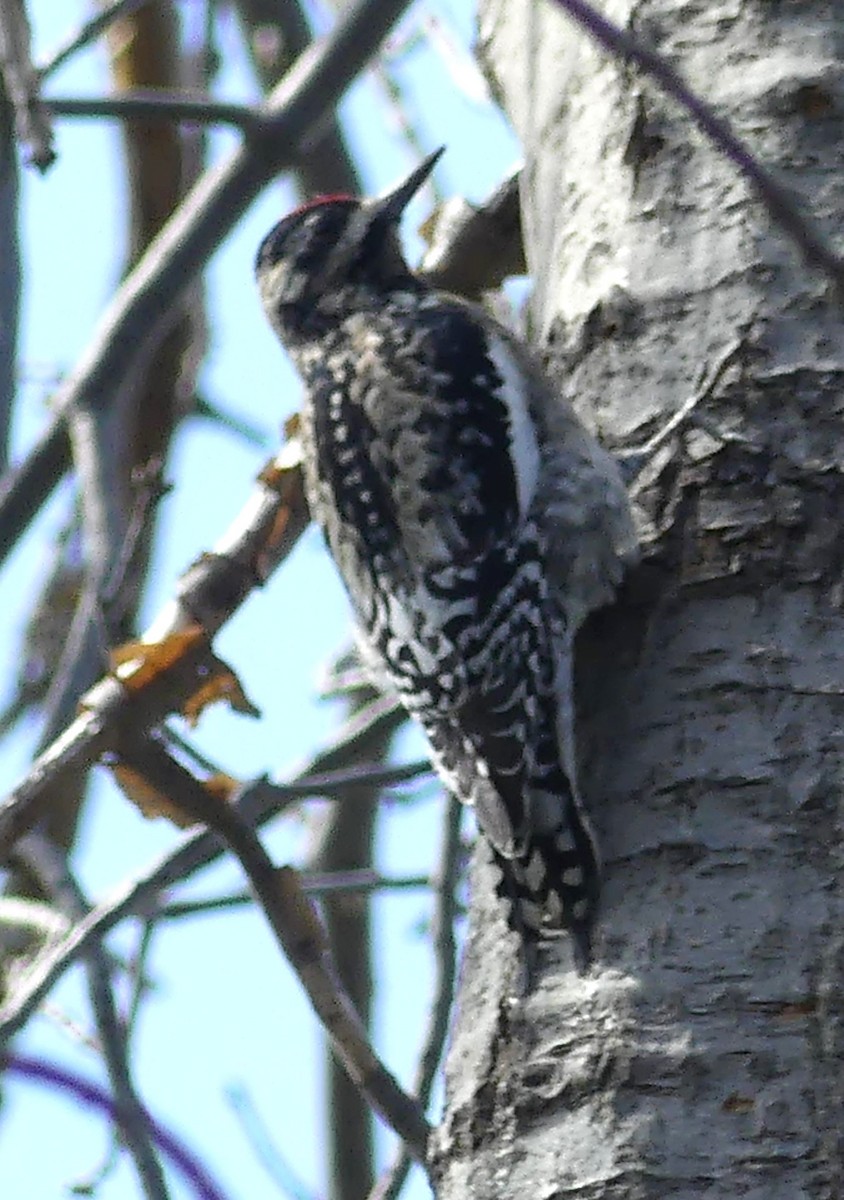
<point x="553" y="883"/>
<point x="528" y="808"/>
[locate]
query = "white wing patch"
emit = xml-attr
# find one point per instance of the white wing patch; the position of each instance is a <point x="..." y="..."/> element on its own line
<point x="524" y="449"/>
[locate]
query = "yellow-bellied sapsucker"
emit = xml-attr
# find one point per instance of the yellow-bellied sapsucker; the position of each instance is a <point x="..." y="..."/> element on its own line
<point x="474" y="521"/>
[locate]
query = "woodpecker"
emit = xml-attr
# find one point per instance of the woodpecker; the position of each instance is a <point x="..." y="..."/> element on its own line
<point x="474" y="521"/>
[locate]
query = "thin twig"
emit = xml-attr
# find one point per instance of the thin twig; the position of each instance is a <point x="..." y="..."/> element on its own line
<point x="86" y="34"/>
<point x="91" y="1095"/>
<point x="148" y="489"/>
<point x="138" y="975"/>
<point x="263" y="1146"/>
<point x="300" y="937"/>
<point x="362" y="881"/>
<point x="10" y="275"/>
<point x="326" y="783"/>
<point x="789" y="212"/>
<point x="83" y="656"/>
<point x="158" y="105"/>
<point x="444" y="943"/>
<point x="445" y="957"/>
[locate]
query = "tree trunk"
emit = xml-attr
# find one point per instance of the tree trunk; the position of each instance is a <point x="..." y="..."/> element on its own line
<point x="703" y="1054"/>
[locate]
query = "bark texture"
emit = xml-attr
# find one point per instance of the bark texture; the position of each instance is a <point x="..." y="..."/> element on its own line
<point x="702" y="1056"/>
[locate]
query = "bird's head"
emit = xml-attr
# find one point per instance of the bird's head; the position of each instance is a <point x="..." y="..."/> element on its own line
<point x="332" y="247"/>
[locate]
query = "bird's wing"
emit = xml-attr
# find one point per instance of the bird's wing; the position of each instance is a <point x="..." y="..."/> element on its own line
<point x="432" y="435"/>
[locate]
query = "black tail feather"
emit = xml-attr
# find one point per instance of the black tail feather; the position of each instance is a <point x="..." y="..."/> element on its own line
<point x="553" y="885"/>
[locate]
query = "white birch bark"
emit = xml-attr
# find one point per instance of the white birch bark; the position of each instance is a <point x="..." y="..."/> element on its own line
<point x="704" y="1056"/>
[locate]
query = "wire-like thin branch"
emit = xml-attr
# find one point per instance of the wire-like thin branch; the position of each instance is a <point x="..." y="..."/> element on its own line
<point x="148" y="489"/>
<point x="138" y="975"/>
<point x="445" y="958"/>
<point x="284" y="25"/>
<point x="334" y="783"/>
<point x="83" y="656"/>
<point x="446" y="908"/>
<point x="342" y="839"/>
<point x="313" y="884"/>
<point x="292" y="116"/>
<point x="159" y="105"/>
<point x="789" y="212"/>
<point x="86" y="34"/>
<point x="10" y="275"/>
<point x="300" y="937"/>
<point x="256" y="804"/>
<point x="263" y="1146"/>
<point x="91" y="1095"/>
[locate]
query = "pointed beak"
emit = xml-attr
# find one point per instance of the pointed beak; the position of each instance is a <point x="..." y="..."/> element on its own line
<point x="393" y="204"/>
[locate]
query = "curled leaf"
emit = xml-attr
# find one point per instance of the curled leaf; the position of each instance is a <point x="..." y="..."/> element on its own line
<point x="219" y="683"/>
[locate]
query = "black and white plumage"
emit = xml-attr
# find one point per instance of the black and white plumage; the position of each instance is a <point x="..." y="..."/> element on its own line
<point x="473" y="519"/>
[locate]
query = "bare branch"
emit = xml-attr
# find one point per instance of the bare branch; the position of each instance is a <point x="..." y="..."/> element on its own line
<point x="94" y="437"/>
<point x="161" y="106"/>
<point x="21" y="84"/>
<point x="10" y="275"/>
<point x="475" y="248"/>
<point x="445" y="953"/>
<point x="87" y="33"/>
<point x="313" y="883"/>
<point x="92" y="1096"/>
<point x="148" y="489"/>
<point x="138" y="972"/>
<point x="277" y="32"/>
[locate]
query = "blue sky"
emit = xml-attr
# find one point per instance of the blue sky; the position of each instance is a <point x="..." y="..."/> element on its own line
<point x="225" y="1009"/>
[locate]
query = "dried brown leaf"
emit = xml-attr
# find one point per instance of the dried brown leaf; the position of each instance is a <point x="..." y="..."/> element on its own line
<point x="224" y="787"/>
<point x="135" y="664"/>
<point x="220" y="683"/>
<point x="149" y="799"/>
